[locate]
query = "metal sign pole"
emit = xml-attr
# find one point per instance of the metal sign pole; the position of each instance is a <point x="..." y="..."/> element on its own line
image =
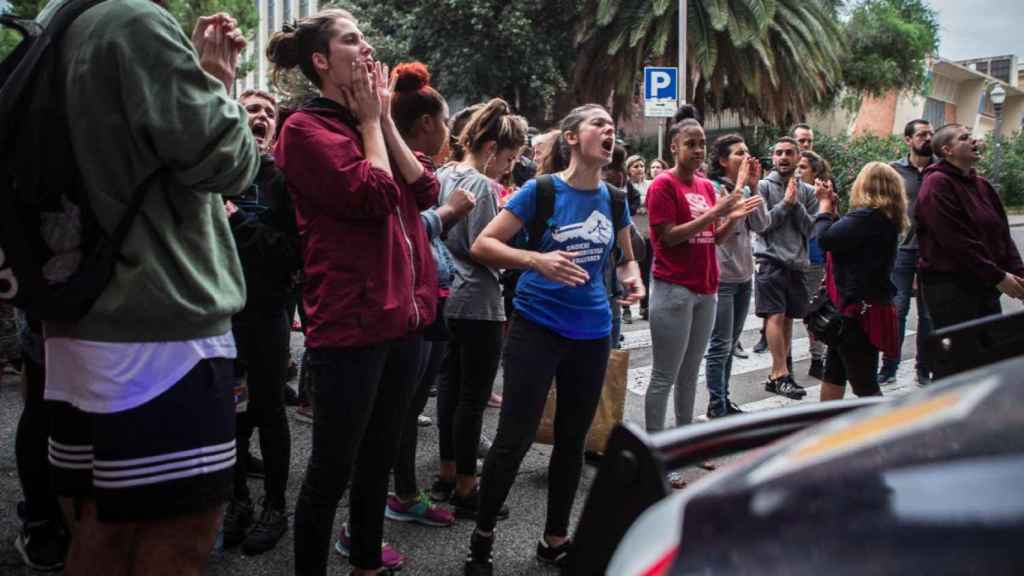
<point x="682" y="52"/>
<point x="661" y="138"/>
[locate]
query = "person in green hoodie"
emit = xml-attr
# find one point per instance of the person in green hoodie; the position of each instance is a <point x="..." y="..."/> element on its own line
<point x="144" y="425"/>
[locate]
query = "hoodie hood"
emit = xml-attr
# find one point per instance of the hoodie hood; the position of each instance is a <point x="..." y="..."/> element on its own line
<point x="947" y="168"/>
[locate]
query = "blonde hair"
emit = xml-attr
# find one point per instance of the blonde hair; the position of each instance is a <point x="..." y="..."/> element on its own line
<point x="494" y="122"/>
<point x="880" y="187"/>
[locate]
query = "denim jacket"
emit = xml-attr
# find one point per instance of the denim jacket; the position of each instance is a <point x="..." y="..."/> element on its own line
<point x="443" y="258"/>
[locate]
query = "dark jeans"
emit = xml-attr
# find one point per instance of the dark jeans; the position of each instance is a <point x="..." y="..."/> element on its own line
<point x="733" y="305"/>
<point x="534" y="356"/>
<point x="262" y="342"/>
<point x="903" y="277"/>
<point x="473" y="356"/>
<point x="854" y="359"/>
<point x="431" y="357"/>
<point x="358" y="395"/>
<point x="30" y="448"/>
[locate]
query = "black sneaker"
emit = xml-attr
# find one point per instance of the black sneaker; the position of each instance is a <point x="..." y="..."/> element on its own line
<point x="732" y="408"/>
<point x="784" y="386"/>
<point x="467" y="506"/>
<point x="817" y="369"/>
<point x="479" y="561"/>
<point x="442" y="490"/>
<point x="42" y="545"/>
<point x="269" y="529"/>
<point x="762" y="345"/>
<point x="291" y="397"/>
<point x="559" y="555"/>
<point x="255" y="468"/>
<point x="237" y="520"/>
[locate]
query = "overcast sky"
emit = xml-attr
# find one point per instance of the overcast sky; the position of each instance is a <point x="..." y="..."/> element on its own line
<point x="976" y="28"/>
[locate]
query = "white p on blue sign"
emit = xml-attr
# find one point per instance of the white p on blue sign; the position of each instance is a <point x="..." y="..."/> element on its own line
<point x="661" y="91"/>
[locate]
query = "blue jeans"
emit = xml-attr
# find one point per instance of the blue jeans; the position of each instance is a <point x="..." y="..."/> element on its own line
<point x="733" y="305"/>
<point x="903" y="277"/>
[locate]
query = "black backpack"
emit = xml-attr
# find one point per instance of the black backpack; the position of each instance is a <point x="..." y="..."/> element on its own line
<point x="55" y="260"/>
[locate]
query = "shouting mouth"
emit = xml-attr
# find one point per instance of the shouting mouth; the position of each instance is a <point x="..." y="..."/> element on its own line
<point x="259" y="131"/>
<point x="608" y="145"/>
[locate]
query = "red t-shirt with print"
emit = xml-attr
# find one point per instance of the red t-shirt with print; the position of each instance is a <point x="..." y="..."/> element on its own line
<point x="692" y="264"/>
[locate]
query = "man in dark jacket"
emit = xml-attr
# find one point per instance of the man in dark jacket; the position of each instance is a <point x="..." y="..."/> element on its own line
<point x="263" y="224"/>
<point x="918" y="136"/>
<point x="967" y="257"/>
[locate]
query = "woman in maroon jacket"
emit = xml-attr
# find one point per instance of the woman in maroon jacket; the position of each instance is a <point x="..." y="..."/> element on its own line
<point x="371" y="283"/>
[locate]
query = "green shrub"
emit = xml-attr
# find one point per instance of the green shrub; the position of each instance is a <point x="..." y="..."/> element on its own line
<point x="1010" y="180"/>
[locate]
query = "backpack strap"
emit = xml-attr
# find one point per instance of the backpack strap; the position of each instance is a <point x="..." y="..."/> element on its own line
<point x="618" y="204"/>
<point x="544" y="209"/>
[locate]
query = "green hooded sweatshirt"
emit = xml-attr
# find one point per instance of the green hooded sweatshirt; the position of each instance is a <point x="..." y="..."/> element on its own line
<point x="139" y="104"/>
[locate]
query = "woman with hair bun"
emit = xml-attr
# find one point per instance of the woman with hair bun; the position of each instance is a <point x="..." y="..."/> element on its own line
<point x="491" y="140"/>
<point x="370" y="280"/>
<point x="421" y="115"/>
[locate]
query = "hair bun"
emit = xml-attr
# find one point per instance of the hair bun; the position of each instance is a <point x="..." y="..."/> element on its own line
<point x="411" y="77"/>
<point x="283" y="49"/>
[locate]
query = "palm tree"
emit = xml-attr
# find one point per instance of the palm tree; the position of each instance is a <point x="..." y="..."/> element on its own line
<point x="770" y="59"/>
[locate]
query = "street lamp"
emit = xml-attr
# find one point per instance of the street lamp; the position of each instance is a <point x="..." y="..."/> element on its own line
<point x="998" y="96"/>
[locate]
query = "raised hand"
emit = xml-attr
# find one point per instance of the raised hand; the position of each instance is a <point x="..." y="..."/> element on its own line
<point x="218" y="42"/>
<point x="790" y="197"/>
<point x="362" y="97"/>
<point x="385" y="88"/>
<point x="558" y="266"/>
<point x="726" y="204"/>
<point x="754" y="172"/>
<point x="461" y="202"/>
<point x="746" y="207"/>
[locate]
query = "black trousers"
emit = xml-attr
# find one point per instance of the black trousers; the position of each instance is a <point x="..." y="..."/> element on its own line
<point x="474" y="353"/>
<point x="952" y="303"/>
<point x="358" y="396"/>
<point x="30" y="448"/>
<point x="534" y="356"/>
<point x="405" y="467"/>
<point x="262" y="342"/>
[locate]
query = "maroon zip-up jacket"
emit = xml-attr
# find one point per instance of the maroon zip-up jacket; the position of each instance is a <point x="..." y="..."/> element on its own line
<point x="962" y="228"/>
<point x="369" y="273"/>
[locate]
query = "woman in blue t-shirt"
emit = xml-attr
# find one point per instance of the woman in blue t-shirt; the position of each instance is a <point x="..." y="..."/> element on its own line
<point x="561" y="325"/>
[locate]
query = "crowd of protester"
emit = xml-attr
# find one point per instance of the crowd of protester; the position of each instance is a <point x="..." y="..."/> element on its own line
<point x="427" y="250"/>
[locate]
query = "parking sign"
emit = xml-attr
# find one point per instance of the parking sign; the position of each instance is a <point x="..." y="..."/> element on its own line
<point x="661" y="91"/>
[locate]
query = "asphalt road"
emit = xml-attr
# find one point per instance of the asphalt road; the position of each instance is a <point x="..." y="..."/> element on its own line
<point x="440" y="551"/>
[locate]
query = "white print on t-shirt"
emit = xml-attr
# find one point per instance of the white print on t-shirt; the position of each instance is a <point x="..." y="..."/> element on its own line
<point x="597" y="229"/>
<point x="698" y="207"/>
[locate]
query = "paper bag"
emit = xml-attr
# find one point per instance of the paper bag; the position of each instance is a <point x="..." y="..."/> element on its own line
<point x="610" y="409"/>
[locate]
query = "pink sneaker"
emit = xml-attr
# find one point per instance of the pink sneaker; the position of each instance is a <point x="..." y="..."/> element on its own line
<point x="421" y="511"/>
<point x="495" y="400"/>
<point x="389" y="557"/>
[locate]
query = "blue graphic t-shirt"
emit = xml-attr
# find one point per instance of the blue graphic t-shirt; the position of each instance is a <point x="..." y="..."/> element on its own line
<point x="582" y="224"/>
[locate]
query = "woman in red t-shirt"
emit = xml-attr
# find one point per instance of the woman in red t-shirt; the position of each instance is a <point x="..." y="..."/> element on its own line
<point x="682" y="211"/>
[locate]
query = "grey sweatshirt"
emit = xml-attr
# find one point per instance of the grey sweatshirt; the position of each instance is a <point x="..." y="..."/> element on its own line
<point x="476" y="290"/>
<point x="784" y="240"/>
<point x="735" y="253"/>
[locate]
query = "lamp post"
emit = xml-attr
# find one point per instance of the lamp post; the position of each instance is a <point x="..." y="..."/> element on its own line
<point x="998" y="96"/>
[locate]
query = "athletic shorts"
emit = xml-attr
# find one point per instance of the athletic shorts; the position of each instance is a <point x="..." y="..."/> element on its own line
<point x="170" y="456"/>
<point x="780" y="290"/>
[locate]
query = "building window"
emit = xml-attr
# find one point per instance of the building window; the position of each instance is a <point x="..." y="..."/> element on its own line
<point x="271" y="25"/>
<point x="287" y="7"/>
<point x="1000" y="69"/>
<point x="934" y="112"/>
<point x="303" y="8"/>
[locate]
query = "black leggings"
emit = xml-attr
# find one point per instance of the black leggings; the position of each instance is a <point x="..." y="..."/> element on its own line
<point x="534" y="356"/>
<point x="358" y="395"/>
<point x="30" y="447"/>
<point x="263" y="355"/>
<point x="473" y="356"/>
<point x="405" y="467"/>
